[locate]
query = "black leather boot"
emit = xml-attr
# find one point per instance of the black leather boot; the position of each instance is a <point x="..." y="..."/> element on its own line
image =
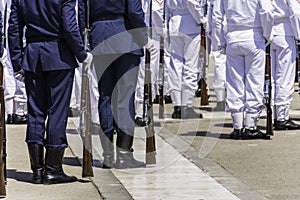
<point x="36" y="155"/>
<point x="54" y="173"/>
<point x="20" y="119"/>
<point x="125" y="157"/>
<point x="108" y="149"/>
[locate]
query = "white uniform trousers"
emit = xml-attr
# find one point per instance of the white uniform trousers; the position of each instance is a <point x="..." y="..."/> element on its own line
<point x="219" y="75"/>
<point x="245" y="68"/>
<point x="283" y="54"/>
<point x="154" y="66"/>
<point x="184" y="68"/>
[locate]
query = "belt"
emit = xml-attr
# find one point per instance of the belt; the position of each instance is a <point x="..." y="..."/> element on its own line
<point x="107" y="17"/>
<point x="43" y="39"/>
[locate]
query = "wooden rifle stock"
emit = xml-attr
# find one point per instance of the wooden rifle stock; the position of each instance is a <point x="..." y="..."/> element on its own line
<point x="85" y="120"/>
<point x="148" y="113"/>
<point x="267" y="92"/>
<point x="85" y="108"/>
<point x="204" y="95"/>
<point x="2" y="137"/>
<point x="161" y="79"/>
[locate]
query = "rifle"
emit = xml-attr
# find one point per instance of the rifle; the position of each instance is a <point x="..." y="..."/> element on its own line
<point x="298" y="65"/>
<point x="203" y="58"/>
<point x="267" y="92"/>
<point x="4" y="154"/>
<point x="2" y="137"/>
<point x="161" y="73"/>
<point x="147" y="107"/>
<point x="85" y="112"/>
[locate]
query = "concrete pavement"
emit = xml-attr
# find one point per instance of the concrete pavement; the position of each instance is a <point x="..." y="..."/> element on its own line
<point x="195" y="160"/>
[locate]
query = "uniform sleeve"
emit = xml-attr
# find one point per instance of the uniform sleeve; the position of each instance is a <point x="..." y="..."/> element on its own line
<point x="266" y="18"/>
<point x="209" y="18"/>
<point x="71" y="30"/>
<point x="294" y="7"/>
<point x="218" y="34"/>
<point x="196" y="10"/>
<point x="135" y="19"/>
<point x="158" y="19"/>
<point x="15" y="35"/>
<point x="82" y="15"/>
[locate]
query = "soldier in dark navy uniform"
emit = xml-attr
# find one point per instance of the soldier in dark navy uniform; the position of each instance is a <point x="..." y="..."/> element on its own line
<point x="117" y="55"/>
<point x="53" y="42"/>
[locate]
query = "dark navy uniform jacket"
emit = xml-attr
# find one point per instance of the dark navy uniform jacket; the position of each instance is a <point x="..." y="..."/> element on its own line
<point x="114" y="18"/>
<point x="49" y="41"/>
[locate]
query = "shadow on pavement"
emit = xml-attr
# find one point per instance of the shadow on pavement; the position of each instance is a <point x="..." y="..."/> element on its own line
<point x="19" y="176"/>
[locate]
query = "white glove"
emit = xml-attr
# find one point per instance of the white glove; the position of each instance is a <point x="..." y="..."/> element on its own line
<point x="204" y="22"/>
<point x="222" y="49"/>
<point x="269" y="40"/>
<point x="87" y="63"/>
<point x="20" y="75"/>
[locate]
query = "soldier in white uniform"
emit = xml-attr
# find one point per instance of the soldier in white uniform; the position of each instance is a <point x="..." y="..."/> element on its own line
<point x="157" y="5"/>
<point x="219" y="60"/>
<point x="183" y="21"/>
<point x="283" y="53"/>
<point x="249" y="24"/>
<point x="15" y="94"/>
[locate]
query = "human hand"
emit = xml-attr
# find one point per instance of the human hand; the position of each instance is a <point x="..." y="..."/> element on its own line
<point x="222" y="49"/>
<point x="20" y="75"/>
<point x="87" y="63"/>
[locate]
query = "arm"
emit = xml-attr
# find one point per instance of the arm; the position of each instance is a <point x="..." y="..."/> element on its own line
<point x="294" y="7"/>
<point x="218" y="34"/>
<point x="15" y="36"/>
<point x="135" y="19"/>
<point x="197" y="11"/>
<point x="82" y="15"/>
<point x="266" y="18"/>
<point x="71" y="30"/>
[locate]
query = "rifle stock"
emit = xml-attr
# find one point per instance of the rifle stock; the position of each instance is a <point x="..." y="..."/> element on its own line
<point x="85" y="120"/>
<point x="2" y="137"/>
<point x="203" y="58"/>
<point x="161" y="79"/>
<point x="267" y="92"/>
<point x="148" y="113"/>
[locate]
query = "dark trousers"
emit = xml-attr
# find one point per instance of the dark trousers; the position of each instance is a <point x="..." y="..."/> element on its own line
<point x="117" y="76"/>
<point x="48" y="96"/>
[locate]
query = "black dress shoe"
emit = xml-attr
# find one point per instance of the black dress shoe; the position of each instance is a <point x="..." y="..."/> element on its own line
<point x="236" y="134"/>
<point x="156" y="100"/>
<point x="220" y="106"/>
<point x="189" y="113"/>
<point x="10" y="119"/>
<point x="140" y="122"/>
<point x="198" y="91"/>
<point x="168" y="99"/>
<point x="177" y="112"/>
<point x="20" y="119"/>
<point x="286" y="125"/>
<point x="255" y="134"/>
